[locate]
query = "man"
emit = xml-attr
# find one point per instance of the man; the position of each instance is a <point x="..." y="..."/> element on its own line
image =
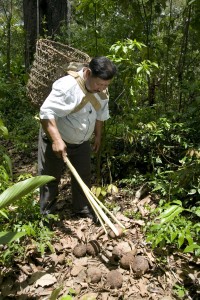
<point x="67" y="125"/>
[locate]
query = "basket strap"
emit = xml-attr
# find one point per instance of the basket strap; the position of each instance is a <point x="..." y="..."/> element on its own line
<point x="89" y="97"/>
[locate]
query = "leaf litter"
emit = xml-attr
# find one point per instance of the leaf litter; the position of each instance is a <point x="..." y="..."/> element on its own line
<point x="60" y="272"/>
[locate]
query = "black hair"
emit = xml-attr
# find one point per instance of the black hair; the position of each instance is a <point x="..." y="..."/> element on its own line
<point x="102" y="67"/>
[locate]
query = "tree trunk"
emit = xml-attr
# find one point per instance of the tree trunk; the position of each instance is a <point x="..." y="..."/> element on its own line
<point x="9" y="19"/>
<point x="41" y="18"/>
<point x="183" y="53"/>
<point x="7" y="8"/>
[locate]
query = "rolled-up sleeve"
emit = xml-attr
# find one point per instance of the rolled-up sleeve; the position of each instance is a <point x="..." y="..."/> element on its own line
<point x="60" y="102"/>
<point x="103" y="113"/>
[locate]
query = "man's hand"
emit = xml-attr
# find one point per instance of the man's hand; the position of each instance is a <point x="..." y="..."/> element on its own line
<point x="58" y="145"/>
<point x="97" y="144"/>
<point x="59" y="148"/>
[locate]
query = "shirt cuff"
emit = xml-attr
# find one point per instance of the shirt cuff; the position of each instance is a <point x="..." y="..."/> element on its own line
<point x="47" y="116"/>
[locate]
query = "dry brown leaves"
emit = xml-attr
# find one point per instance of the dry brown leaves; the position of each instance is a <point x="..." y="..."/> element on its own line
<point x="37" y="277"/>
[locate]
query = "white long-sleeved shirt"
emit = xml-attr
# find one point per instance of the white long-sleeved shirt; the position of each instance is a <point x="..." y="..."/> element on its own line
<point x="75" y="128"/>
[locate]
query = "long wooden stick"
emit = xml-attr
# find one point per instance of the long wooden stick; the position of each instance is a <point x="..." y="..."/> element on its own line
<point x="107" y="210"/>
<point x="91" y="198"/>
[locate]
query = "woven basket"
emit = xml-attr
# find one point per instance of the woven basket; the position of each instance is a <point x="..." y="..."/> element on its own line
<point x="51" y="61"/>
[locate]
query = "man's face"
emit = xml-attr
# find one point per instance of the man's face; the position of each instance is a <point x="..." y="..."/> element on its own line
<point x="95" y="84"/>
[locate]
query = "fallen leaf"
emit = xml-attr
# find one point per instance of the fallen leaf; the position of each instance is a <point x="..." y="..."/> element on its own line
<point x="121" y="217"/>
<point x="150" y="257"/>
<point x="35" y="276"/>
<point x="46" y="280"/>
<point x="76" y="270"/>
<point x="61" y="258"/>
<point x="142" y="287"/>
<point x="142" y="210"/>
<point x="83" y="261"/>
<point x="145" y="200"/>
<point x="139" y="222"/>
<point x="68" y="242"/>
<point x="58" y="247"/>
<point x="57" y="259"/>
<point x="105" y="296"/>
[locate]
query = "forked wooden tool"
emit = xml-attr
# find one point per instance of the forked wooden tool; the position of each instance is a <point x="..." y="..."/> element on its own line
<point x="95" y="202"/>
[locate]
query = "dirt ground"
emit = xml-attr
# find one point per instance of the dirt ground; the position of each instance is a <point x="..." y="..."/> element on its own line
<point x="60" y="273"/>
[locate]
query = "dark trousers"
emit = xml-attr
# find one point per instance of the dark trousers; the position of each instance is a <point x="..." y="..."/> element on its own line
<point x="49" y="164"/>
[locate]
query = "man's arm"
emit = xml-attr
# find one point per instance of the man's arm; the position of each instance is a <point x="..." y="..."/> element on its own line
<point x="58" y="145"/>
<point x="98" y="133"/>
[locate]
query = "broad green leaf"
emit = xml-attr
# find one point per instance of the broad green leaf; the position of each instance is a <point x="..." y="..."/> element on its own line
<point x="112" y="189"/>
<point x="8" y="236"/>
<point x="8" y="163"/>
<point x="159" y="239"/>
<point x="191" y="247"/>
<point x="3" y="130"/>
<point x="197" y="225"/>
<point x="189" y="239"/>
<point x="156" y="226"/>
<point x="125" y="49"/>
<point x="148" y="72"/>
<point x="175" y="201"/>
<point x="68" y="297"/>
<point x="98" y="191"/>
<point x="192" y="192"/>
<point x="155" y="64"/>
<point x="22" y="188"/>
<point x="55" y="293"/>
<point x="173" y="235"/>
<point x="72" y="291"/>
<point x="103" y="192"/>
<point x="181" y="239"/>
<point x="168" y="211"/>
<point x="181" y="293"/>
<point x="139" y="69"/>
<point x="170" y="217"/>
<point x="4" y="214"/>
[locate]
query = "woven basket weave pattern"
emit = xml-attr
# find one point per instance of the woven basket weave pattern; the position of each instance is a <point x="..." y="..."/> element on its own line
<point x="50" y="63"/>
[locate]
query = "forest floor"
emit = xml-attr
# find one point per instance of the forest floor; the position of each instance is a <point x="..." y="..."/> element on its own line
<point x="170" y="275"/>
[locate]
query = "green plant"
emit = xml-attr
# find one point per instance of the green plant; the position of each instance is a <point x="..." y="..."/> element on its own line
<point x="21" y="222"/>
<point x="3" y="130"/>
<point x="181" y="180"/>
<point x="16" y="192"/>
<point x="172" y="227"/>
<point x="71" y="294"/>
<point x="179" y="290"/>
<point x="102" y="191"/>
<point x="133" y="215"/>
<point x="135" y="72"/>
<point x="13" y="104"/>
<point x="43" y="238"/>
<point x="5" y="161"/>
<point x="13" y="250"/>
